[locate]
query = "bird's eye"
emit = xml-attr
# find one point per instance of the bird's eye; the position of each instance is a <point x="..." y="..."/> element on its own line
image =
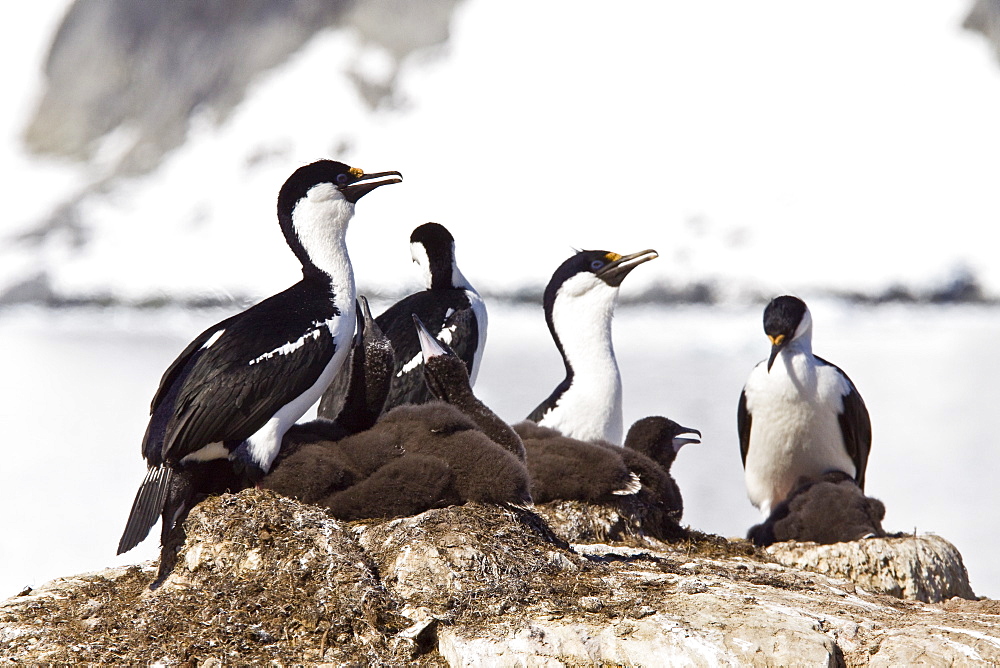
<point x="596" y="264"/>
<point x="341" y="179"/>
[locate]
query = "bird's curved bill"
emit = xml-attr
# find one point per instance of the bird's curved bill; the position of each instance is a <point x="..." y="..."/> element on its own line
<point x="364" y="318"/>
<point x="777" y="343"/>
<point x="369" y="182"/>
<point x="615" y="271"/>
<point x="685" y="437"/>
<point x="429" y="346"/>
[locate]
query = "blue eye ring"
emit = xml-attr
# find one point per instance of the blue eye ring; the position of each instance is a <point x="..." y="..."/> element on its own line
<point x="341" y="179"/>
<point x="596" y="264"/>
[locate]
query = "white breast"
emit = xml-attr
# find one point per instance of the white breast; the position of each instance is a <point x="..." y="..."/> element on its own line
<point x="591" y="409"/>
<point x="795" y="428"/>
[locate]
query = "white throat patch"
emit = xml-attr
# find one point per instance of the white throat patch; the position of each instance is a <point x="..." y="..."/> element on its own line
<point x="320" y="222"/>
<point x="419" y="255"/>
<point x="591" y="408"/>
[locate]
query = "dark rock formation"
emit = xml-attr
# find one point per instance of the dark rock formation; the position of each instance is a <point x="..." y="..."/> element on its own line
<point x="984" y="18"/>
<point x="147" y="67"/>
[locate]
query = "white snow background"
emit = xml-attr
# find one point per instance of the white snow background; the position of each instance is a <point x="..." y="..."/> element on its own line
<point x="776" y="146"/>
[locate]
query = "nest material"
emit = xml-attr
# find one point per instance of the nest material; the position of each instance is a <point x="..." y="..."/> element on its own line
<point x="260" y="578"/>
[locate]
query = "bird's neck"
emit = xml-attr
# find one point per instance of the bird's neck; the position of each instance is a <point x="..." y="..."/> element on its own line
<point x="591" y="405"/>
<point x="320" y="230"/>
<point x="800" y="350"/>
<point x="802" y="343"/>
<point x="447" y="277"/>
<point x="795" y="368"/>
<point x="458" y="280"/>
<point x="581" y="327"/>
<point x="332" y="268"/>
<point x="370" y="378"/>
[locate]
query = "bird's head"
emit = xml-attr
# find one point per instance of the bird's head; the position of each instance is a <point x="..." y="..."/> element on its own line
<point x="786" y="319"/>
<point x="595" y="269"/>
<point x="660" y="438"/>
<point x="444" y="372"/>
<point x="433" y="249"/>
<point x="589" y="280"/>
<point x="317" y="201"/>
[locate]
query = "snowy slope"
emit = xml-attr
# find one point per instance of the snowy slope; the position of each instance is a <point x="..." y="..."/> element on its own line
<point x="783" y="146"/>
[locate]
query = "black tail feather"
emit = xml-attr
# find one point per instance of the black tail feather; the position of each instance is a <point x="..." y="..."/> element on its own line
<point x="146" y="508"/>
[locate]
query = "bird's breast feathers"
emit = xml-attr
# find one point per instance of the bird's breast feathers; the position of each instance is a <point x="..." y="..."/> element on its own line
<point x="795" y="429"/>
<point x="796" y="379"/>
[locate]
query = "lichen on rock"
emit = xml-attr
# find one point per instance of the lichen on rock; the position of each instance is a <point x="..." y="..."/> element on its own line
<point x="916" y="567"/>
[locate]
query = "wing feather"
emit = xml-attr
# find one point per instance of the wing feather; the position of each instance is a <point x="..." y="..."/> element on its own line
<point x="743" y="420"/>
<point x="855" y="426"/>
<point x="228" y="398"/>
<point x="257" y="362"/>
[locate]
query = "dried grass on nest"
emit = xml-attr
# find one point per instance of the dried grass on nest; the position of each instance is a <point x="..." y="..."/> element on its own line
<point x="265" y="578"/>
<point x="272" y="580"/>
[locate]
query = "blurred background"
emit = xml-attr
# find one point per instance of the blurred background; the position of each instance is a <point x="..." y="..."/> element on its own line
<point x="846" y="153"/>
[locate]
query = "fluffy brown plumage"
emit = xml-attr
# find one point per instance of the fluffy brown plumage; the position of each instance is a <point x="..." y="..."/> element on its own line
<point x="564" y="468"/>
<point x="447" y="378"/>
<point x="567" y="469"/>
<point x="483" y="470"/>
<point x="415" y="458"/>
<point x="829" y="509"/>
<point x="660" y="439"/>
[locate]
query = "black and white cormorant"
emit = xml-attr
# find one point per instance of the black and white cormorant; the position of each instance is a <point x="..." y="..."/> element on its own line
<point x="449" y="307"/>
<point x="798" y="416"/>
<point x="579" y="304"/>
<point x="237" y="388"/>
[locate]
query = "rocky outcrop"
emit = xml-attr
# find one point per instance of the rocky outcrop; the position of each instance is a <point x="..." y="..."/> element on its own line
<point x="264" y="578"/>
<point x="920" y="568"/>
<point x="260" y="577"/>
<point x="984" y="18"/>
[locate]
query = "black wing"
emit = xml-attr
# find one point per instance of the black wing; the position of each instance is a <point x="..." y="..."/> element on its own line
<point x="267" y="356"/>
<point x="465" y="338"/>
<point x="162" y="407"/>
<point x="856" y="427"/>
<point x="743" y="420"/>
<point x="438" y="310"/>
<point x="176" y="371"/>
<point x="146" y="507"/>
